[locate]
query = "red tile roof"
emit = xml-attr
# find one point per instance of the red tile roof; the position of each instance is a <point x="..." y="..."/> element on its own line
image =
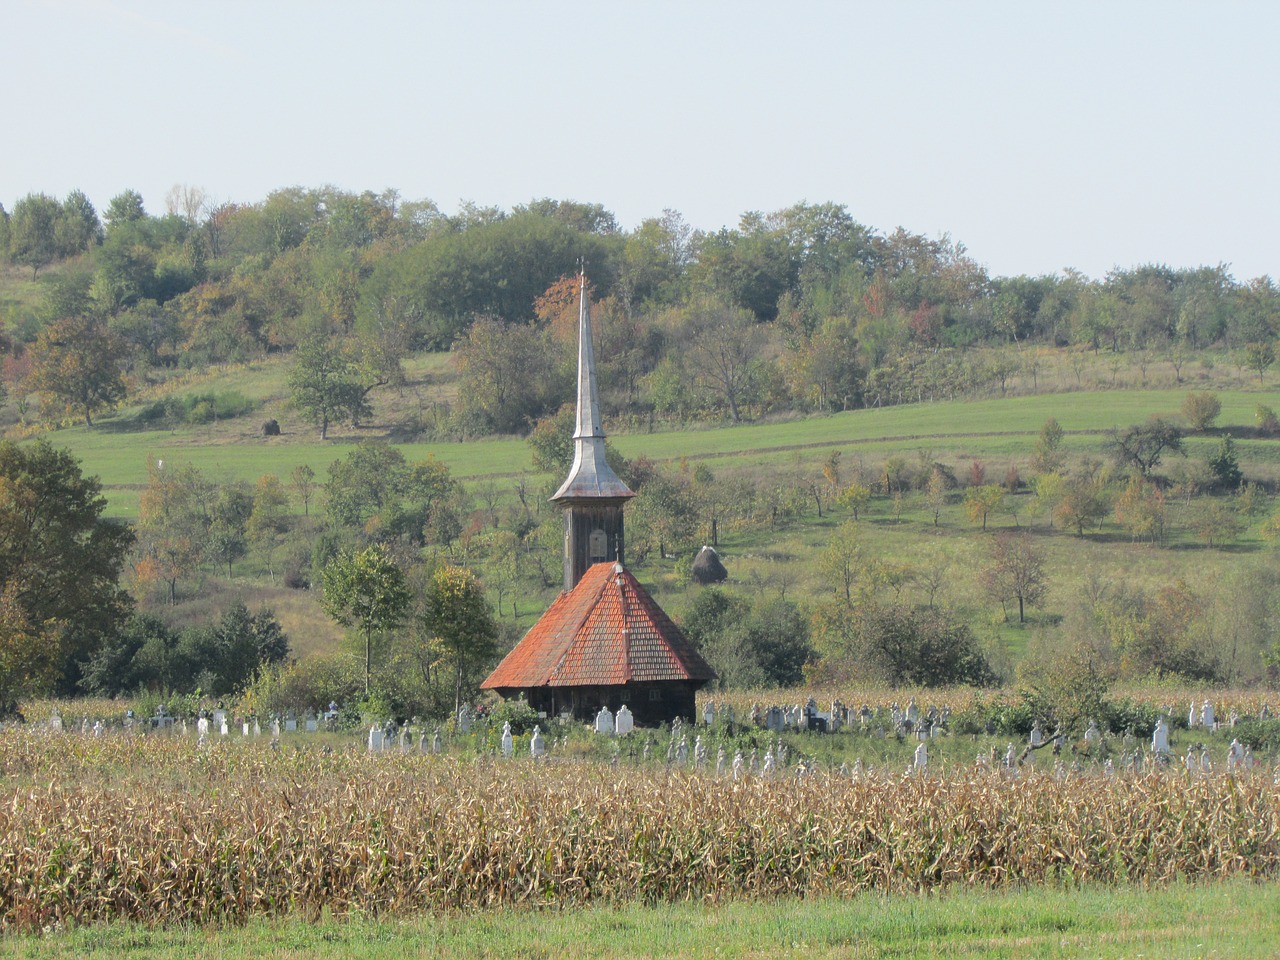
<point x="605" y="631"/>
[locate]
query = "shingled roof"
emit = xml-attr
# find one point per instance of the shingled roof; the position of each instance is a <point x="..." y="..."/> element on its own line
<point x="606" y="631"/>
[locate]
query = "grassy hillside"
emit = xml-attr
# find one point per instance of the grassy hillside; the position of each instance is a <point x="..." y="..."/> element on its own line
<point x="777" y="560"/>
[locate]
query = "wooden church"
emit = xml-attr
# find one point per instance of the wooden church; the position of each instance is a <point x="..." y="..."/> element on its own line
<point x="604" y="641"/>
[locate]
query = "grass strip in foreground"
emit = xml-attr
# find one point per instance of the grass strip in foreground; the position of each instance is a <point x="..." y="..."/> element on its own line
<point x="1238" y="918"/>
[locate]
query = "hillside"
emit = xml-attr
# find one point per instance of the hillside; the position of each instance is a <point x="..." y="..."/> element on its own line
<point x="764" y="483"/>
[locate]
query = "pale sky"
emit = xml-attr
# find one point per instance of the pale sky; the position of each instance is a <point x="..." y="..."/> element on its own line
<point x="1040" y="135"/>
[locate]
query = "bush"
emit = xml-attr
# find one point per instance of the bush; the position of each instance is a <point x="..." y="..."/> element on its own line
<point x="1201" y="409"/>
<point x="196" y="408"/>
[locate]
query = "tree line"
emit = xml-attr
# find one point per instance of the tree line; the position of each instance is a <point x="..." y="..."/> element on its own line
<point x="802" y="308"/>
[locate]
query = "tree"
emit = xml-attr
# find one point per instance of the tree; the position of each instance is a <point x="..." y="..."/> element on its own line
<point x="1257" y="356"/>
<point x="302" y="479"/>
<point x="1225" y="465"/>
<point x="1143" y="445"/>
<point x="33" y="229"/>
<point x="1080" y="503"/>
<point x="456" y="613"/>
<point x="124" y="208"/>
<point x="750" y="644"/>
<point x="365" y="590"/>
<point x="228" y="523"/>
<point x="511" y="374"/>
<point x="935" y="493"/>
<point x="173" y="524"/>
<point x="323" y="384"/>
<point x="76" y="360"/>
<point x="724" y="346"/>
<point x="1140" y="510"/>
<point x="60" y="563"/>
<point x="1016" y="572"/>
<point x="979" y="502"/>
<point x="1201" y="409"/>
<point x="268" y="521"/>
<point x="920" y="648"/>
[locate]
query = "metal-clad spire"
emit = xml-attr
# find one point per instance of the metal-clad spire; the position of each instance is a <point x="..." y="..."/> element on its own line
<point x="590" y="476"/>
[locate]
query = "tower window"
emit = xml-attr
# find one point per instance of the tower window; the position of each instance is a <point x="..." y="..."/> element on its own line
<point x="598" y="545"/>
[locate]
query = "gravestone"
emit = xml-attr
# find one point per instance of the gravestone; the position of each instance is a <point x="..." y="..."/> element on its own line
<point x="1206" y="716"/>
<point x="1037" y="735"/>
<point x="682" y="752"/>
<point x="223" y="729"/>
<point x="376" y="739"/>
<point x="202" y="727"/>
<point x="709" y="714"/>
<point x="604" y="722"/>
<point x="464" y="719"/>
<point x="737" y="765"/>
<point x="290" y="723"/>
<point x="1093" y="735"/>
<point x="311" y="725"/>
<point x="1160" y="738"/>
<point x="244" y="728"/>
<point x="921" y="759"/>
<point x="508" y="742"/>
<point x="774" y="720"/>
<point x="537" y="746"/>
<point x="436" y="744"/>
<point x="275" y="727"/>
<point x="624" y="723"/>
<point x="1193" y="716"/>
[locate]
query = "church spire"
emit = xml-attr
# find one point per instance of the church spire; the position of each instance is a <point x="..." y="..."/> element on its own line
<point x="592" y="495"/>
<point x="590" y="476"/>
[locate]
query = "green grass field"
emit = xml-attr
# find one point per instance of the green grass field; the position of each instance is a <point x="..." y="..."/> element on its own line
<point x="1236" y="919"/>
<point x="999" y="430"/>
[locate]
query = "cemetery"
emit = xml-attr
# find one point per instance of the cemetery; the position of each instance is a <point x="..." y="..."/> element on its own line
<point x="768" y="797"/>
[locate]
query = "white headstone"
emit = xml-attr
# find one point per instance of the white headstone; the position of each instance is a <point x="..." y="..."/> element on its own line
<point x="290" y="725"/>
<point x="275" y="726"/>
<point x="1037" y="735"/>
<point x="464" y="719"/>
<point x="709" y="713"/>
<point x="1160" y="738"/>
<point x="1206" y="716"/>
<point x="376" y="738"/>
<point x="922" y="758"/>
<point x="624" y="723"/>
<point x="508" y="742"/>
<point x="223" y="729"/>
<point x="244" y="728"/>
<point x="55" y="722"/>
<point x="604" y="722"/>
<point x="537" y="746"/>
<point x="436" y="743"/>
<point x="311" y="725"/>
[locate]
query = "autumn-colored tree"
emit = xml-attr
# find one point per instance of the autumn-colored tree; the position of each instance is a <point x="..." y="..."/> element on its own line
<point x="854" y="497"/>
<point x="1201" y="409"/>
<point x="979" y="502"/>
<point x="173" y="524"/>
<point x="935" y="493"/>
<point x="1016" y="572"/>
<point x="77" y="361"/>
<point x="1140" y="510"/>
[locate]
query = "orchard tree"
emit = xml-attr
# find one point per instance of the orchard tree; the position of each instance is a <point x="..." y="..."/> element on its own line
<point x="1143" y="445"/>
<point x="173" y="524"/>
<point x="1201" y="409"/>
<point x="1016" y="572"/>
<point x="366" y="590"/>
<point x="1258" y="356"/>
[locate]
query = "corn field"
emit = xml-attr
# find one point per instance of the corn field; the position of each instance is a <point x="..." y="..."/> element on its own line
<point x="150" y="830"/>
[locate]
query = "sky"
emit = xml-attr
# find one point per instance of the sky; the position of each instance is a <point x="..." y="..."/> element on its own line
<point x="1042" y="136"/>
